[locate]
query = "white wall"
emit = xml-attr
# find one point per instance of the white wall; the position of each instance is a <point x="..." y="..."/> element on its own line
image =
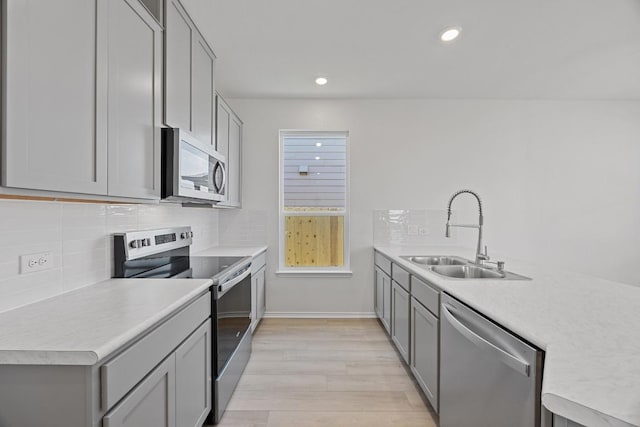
<point x="80" y="237"/>
<point x="560" y="180"/>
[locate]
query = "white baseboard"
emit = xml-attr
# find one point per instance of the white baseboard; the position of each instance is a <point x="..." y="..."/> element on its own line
<point x="319" y="315"/>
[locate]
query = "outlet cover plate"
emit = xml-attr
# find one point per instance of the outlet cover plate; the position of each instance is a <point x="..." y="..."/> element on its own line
<point x="36" y="262"/>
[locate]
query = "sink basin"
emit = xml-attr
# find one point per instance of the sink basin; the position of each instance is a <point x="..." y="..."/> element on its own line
<point x="471" y="271"/>
<point x="467" y="272"/>
<point x="436" y="260"/>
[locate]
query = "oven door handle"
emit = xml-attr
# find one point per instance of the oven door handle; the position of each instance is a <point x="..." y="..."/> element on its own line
<point x="225" y="287"/>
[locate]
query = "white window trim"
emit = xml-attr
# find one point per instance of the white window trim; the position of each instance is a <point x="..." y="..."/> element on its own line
<point x="345" y="270"/>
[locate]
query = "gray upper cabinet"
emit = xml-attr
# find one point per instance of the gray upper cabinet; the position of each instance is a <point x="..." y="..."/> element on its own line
<point x="203" y="93"/>
<point x="54" y="114"/>
<point x="178" y="40"/>
<point x="135" y="100"/>
<point x="189" y="76"/>
<point x="229" y="143"/>
<point x="82" y="111"/>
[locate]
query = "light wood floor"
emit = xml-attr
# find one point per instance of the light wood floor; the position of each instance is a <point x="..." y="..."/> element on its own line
<point x="326" y="372"/>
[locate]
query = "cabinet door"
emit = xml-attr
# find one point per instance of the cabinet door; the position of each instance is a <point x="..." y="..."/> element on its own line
<point x="203" y="92"/>
<point x="135" y="103"/>
<point x="424" y="350"/>
<point x="254" y="302"/>
<point x="262" y="303"/>
<point x="193" y="378"/>
<point x="54" y="119"/>
<point x="234" y="162"/>
<point x="378" y="293"/>
<point x="223" y="117"/>
<point x="179" y="40"/>
<point x="386" y="302"/>
<point x="151" y="403"/>
<point x="400" y="319"/>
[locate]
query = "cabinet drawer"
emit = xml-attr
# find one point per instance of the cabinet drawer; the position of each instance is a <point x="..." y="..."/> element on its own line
<point x="401" y="277"/>
<point x="383" y="262"/>
<point x="426" y="295"/>
<point x="121" y="374"/>
<point x="258" y="262"/>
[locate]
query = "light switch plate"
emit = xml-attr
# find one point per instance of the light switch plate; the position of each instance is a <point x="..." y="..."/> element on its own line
<point x="36" y="262"/>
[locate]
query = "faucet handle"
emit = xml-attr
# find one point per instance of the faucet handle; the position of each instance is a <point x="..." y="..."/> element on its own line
<point x="482" y="257"/>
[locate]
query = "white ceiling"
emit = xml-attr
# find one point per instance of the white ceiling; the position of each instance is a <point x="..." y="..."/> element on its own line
<point x="559" y="49"/>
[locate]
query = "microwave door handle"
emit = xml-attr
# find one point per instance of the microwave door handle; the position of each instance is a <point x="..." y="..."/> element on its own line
<point x="507" y="358"/>
<point x="225" y="287"/>
<point x="224" y="178"/>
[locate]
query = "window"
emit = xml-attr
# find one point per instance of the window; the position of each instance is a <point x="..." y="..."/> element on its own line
<point x="314" y="202"/>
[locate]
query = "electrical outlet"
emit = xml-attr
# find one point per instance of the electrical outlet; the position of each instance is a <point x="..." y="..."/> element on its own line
<point x="423" y="231"/>
<point x="412" y="230"/>
<point x="36" y="262"/>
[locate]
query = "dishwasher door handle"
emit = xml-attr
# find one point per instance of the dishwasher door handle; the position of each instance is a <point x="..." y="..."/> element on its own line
<point x="507" y="358"/>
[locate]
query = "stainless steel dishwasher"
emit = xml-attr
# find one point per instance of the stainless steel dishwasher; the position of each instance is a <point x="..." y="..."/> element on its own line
<point x="488" y="377"/>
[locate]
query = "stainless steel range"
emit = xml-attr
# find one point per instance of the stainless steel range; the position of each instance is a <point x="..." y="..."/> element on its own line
<point x="165" y="253"/>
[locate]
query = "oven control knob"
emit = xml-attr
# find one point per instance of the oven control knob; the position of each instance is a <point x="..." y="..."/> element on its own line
<point x="183" y="235"/>
<point x="191" y="234"/>
<point x="146" y="242"/>
<point x="135" y="244"/>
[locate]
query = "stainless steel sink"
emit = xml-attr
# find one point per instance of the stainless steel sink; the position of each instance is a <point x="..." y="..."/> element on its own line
<point x="471" y="271"/>
<point x="467" y="272"/>
<point x="453" y="267"/>
<point x="436" y="260"/>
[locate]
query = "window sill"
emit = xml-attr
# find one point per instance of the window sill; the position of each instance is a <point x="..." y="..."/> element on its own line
<point x="312" y="273"/>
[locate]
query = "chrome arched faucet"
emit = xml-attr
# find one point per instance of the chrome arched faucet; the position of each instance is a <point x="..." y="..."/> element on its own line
<point x="480" y="256"/>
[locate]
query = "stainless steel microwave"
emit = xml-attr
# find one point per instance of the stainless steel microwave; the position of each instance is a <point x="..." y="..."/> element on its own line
<point x="192" y="171"/>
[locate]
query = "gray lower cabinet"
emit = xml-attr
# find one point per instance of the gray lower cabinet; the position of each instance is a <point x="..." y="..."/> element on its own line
<point x="379" y="293"/>
<point x="160" y="379"/>
<point x="135" y="100"/>
<point x="194" y="378"/>
<point x="383" y="298"/>
<point x="425" y="350"/>
<point x="400" y="322"/>
<point x="258" y="289"/>
<point x="151" y="404"/>
<point x="261" y="293"/>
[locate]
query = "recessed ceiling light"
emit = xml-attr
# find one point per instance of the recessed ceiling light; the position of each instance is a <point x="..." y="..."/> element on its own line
<point x="317" y="158"/>
<point x="321" y="81"/>
<point x="450" y="34"/>
<point x="318" y="144"/>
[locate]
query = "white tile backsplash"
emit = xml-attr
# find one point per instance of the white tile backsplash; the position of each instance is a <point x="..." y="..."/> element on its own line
<point x="411" y="227"/>
<point x="80" y="237"/>
<point x="243" y="227"/>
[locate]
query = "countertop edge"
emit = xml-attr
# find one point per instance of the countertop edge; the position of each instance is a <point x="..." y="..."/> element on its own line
<point x="117" y="343"/>
<point x="91" y="357"/>
<point x="223" y="250"/>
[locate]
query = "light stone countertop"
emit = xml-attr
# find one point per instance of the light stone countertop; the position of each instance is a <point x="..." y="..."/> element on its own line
<point x="84" y="326"/>
<point x="588" y="327"/>
<point x="251" y="251"/>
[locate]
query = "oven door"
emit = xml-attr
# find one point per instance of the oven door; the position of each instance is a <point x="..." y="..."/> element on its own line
<point x="232" y="317"/>
<point x="192" y="170"/>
